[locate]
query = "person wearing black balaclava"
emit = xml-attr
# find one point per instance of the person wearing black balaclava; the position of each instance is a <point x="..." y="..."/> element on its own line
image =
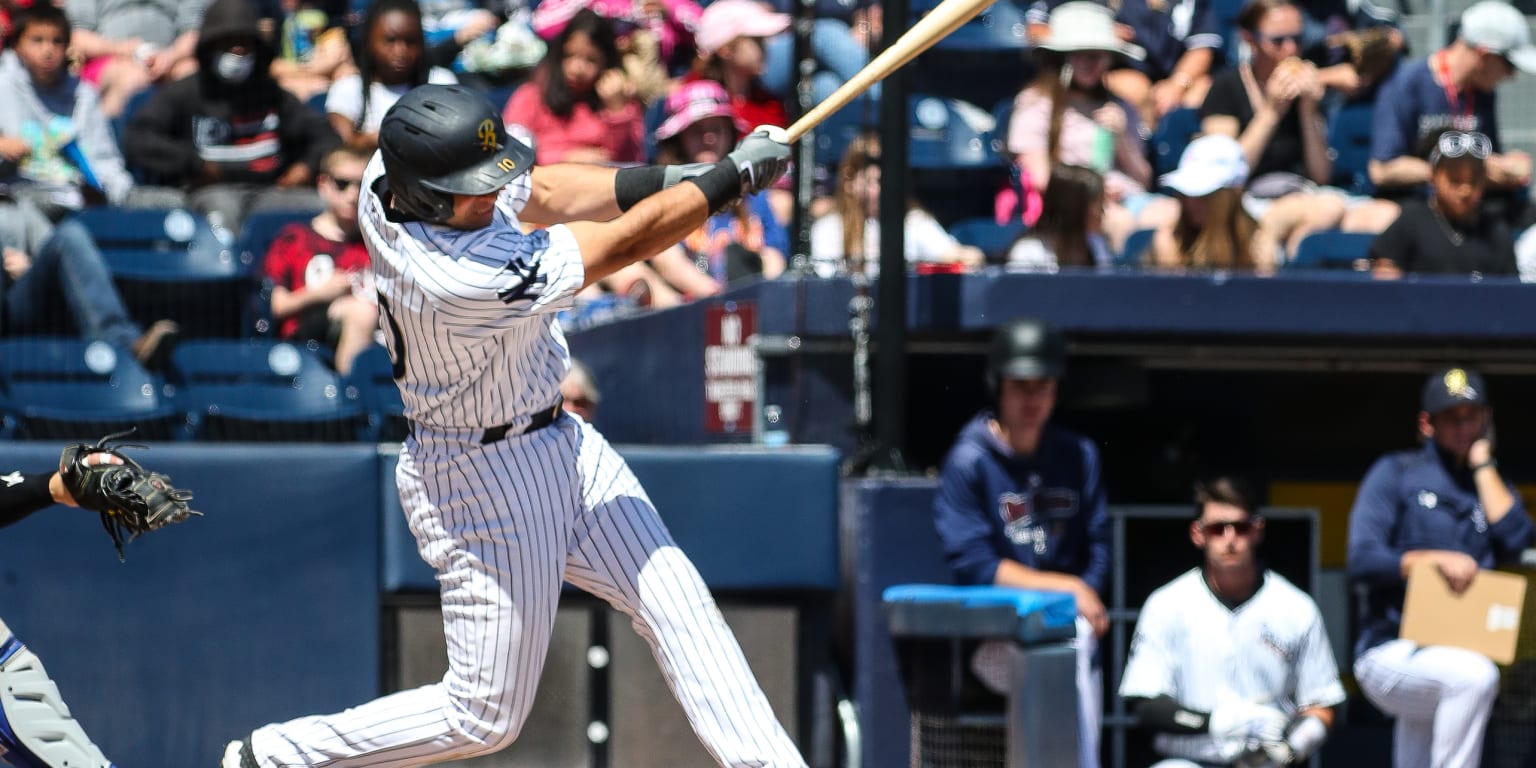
<point x="228" y="133"/>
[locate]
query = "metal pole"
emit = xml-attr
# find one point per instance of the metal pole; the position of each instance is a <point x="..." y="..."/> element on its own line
<point x="890" y="385"/>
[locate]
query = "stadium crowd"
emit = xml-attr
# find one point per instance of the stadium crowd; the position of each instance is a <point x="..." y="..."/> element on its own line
<point x="1184" y="136"/>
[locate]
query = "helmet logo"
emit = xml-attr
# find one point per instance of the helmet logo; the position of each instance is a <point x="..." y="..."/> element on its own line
<point x="488" y="141"/>
<point x="507" y="165"/>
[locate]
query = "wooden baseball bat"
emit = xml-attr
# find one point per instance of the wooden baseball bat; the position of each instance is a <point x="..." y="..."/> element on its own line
<point x="944" y="19"/>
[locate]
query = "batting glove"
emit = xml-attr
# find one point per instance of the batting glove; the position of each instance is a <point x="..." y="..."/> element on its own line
<point x="762" y="157"/>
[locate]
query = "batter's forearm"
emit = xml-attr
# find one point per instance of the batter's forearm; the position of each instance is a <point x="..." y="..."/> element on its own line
<point x="566" y="192"/>
<point x="654" y="224"/>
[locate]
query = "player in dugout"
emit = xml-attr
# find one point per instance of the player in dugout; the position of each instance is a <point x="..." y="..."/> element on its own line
<point x="1230" y="664"/>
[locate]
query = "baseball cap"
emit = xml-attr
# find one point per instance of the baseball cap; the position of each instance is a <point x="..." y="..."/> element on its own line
<point x="726" y="20"/>
<point x="1209" y="163"/>
<point x="1451" y="387"/>
<point x="1497" y="27"/>
<point x="1083" y="25"/>
<point x="695" y="101"/>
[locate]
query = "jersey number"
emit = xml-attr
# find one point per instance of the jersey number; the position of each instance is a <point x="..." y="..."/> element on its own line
<point x="396" y="345"/>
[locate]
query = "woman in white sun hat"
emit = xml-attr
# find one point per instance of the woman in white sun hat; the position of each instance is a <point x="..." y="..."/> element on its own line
<point x="1067" y="115"/>
<point x="1212" y="231"/>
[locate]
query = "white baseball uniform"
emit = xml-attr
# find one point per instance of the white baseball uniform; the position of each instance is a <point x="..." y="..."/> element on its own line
<point x="1270" y="650"/>
<point x="470" y="318"/>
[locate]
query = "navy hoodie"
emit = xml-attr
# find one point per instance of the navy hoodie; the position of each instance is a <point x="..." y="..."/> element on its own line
<point x="1046" y="511"/>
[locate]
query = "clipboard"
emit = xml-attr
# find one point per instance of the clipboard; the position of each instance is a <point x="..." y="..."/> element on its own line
<point x="1485" y="618"/>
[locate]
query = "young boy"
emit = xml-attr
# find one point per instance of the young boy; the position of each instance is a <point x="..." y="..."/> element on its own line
<point x="322" y="288"/>
<point x="55" y="143"/>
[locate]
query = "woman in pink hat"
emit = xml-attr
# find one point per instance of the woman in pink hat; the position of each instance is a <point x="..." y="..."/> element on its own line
<point x="580" y="106"/>
<point x="731" y="39"/>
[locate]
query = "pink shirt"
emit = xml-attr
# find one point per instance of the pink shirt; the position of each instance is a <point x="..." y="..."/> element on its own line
<point x="620" y="133"/>
<point x="1028" y="131"/>
<point x="676" y="27"/>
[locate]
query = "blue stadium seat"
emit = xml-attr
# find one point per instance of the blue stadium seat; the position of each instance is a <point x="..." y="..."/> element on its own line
<point x="1002" y="114"/>
<point x="171" y="264"/>
<point x="1332" y="249"/>
<point x="374" y="383"/>
<point x="1349" y="136"/>
<point x="120" y="123"/>
<point x="71" y="389"/>
<point x="1224" y="13"/>
<point x="1173" y="134"/>
<point x="835" y="133"/>
<point x="256" y="235"/>
<point x="942" y="138"/>
<point x="999" y="27"/>
<point x="992" y="238"/>
<point x="264" y="391"/>
<point x="1134" y="254"/>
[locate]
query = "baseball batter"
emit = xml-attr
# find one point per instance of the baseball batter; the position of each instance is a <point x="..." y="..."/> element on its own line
<point x="1230" y="663"/>
<point x="507" y="494"/>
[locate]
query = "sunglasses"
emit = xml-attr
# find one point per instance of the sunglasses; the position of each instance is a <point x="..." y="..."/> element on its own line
<point x="1459" y="143"/>
<point x="1283" y="39"/>
<point x="1217" y="530"/>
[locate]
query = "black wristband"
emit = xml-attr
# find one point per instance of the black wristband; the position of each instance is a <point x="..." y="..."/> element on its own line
<point x="1484" y="465"/>
<point x="721" y="185"/>
<point x="631" y="185"/>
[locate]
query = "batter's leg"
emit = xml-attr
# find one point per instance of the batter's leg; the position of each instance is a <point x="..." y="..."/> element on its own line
<point x="1447" y="693"/>
<point x="623" y="554"/>
<point x="495" y="525"/>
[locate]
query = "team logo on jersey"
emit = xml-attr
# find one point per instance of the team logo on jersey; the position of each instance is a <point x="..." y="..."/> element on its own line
<point x="530" y="284"/>
<point x="11" y="480"/>
<point x="1479" y="519"/>
<point x="1428" y="499"/>
<point x="1274" y="644"/>
<point x="1457" y="385"/>
<point x="488" y="142"/>
<point x="1035" y="515"/>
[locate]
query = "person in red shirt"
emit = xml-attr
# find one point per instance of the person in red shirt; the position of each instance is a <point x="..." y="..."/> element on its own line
<point x="321" y="282"/>
<point x="580" y="106"/>
<point x="730" y="43"/>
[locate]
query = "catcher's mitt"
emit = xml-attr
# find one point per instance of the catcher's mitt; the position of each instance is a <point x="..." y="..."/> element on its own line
<point x="130" y="499"/>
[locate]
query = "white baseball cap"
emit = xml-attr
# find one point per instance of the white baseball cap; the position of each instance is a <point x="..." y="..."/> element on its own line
<point x="1209" y="163"/>
<point x="1082" y="25"/>
<point x="1496" y="27"/>
<point x="726" y="20"/>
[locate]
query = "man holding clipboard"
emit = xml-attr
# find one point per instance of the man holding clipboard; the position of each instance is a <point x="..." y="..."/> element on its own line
<point x="1444" y="506"/>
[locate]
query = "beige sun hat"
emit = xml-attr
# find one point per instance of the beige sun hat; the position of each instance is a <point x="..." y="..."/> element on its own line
<point x="1087" y="26"/>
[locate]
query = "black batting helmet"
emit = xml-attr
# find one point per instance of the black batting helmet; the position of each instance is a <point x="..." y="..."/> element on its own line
<point x="1027" y="348"/>
<point x="444" y="140"/>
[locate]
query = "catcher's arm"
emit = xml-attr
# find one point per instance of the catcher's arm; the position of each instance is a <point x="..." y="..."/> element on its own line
<point x="130" y="499"/>
<point x="22" y="494"/>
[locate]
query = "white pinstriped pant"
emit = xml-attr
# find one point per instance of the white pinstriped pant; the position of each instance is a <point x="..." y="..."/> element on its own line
<point x="1441" y="696"/>
<point x="504" y="524"/>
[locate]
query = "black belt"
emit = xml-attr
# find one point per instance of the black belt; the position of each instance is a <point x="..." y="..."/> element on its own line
<point x="539" y="421"/>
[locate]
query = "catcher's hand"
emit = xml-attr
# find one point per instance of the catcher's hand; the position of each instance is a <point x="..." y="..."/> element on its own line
<point x="130" y="499"/>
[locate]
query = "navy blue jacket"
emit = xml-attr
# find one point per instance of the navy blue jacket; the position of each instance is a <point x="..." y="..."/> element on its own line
<point x="1414" y="500"/>
<point x="1045" y="511"/>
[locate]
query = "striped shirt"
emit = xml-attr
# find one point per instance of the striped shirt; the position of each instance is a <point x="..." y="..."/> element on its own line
<point x="1271" y="650"/>
<point x="469" y="316"/>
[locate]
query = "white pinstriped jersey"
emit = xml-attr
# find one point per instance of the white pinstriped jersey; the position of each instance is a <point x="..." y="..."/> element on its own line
<point x="1271" y="650"/>
<point x="483" y="347"/>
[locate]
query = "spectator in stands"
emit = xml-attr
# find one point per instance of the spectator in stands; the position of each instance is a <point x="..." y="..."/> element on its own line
<point x="55" y="144"/>
<point x="1180" y="40"/>
<point x="669" y="24"/>
<point x="1021" y="504"/>
<point x="1261" y="690"/>
<point x="55" y="282"/>
<point x="1354" y="43"/>
<point x="580" y="105"/>
<point x="312" y="50"/>
<point x="745" y="240"/>
<point x="391" y="60"/>
<point x="129" y="45"/>
<point x="1449" y="234"/>
<point x="1454" y="89"/>
<point x="227" y="132"/>
<point x="731" y="42"/>
<point x="847" y="238"/>
<point x="1212" y="230"/>
<point x="322" y="284"/>
<point x="579" y="393"/>
<point x="842" y="34"/>
<point x="1444" y="504"/>
<point x="449" y="25"/>
<point x="1272" y="104"/>
<point x="1070" y="231"/>
<point x="1067" y="115"/>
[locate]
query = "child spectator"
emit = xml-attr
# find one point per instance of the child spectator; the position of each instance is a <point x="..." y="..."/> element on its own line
<point x="55" y="144"/>
<point x="731" y="52"/>
<point x="1272" y="104"/>
<point x="228" y="132"/>
<point x="391" y="60"/>
<point x="321" y="283"/>
<point x="129" y="45"/>
<point x="1212" y="230"/>
<point x="847" y="239"/>
<point x="1067" y="115"/>
<point x="1070" y="231"/>
<point x="580" y="106"/>
<point x="1449" y="234"/>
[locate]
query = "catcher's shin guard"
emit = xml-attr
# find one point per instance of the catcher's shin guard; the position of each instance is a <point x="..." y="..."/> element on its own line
<point x="36" y="729"/>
